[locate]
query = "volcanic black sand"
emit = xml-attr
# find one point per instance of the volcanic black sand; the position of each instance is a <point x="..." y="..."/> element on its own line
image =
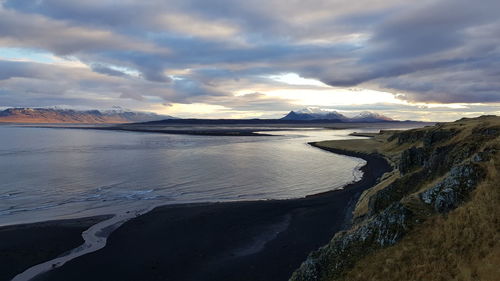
<point x="22" y="246"/>
<point x="258" y="240"/>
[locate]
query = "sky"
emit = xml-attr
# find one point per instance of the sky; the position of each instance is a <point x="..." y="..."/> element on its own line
<point x="429" y="60"/>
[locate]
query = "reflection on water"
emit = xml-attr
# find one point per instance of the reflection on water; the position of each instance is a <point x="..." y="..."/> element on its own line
<point x="57" y="173"/>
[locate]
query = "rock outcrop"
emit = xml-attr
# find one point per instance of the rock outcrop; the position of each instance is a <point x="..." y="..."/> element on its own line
<point x="382" y="230"/>
<point x="439" y="167"/>
<point x="454" y="189"/>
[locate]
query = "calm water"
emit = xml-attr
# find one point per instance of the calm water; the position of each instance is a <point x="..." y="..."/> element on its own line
<point x="61" y="173"/>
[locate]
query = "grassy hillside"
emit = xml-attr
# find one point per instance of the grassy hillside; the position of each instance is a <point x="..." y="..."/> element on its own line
<point x="435" y="217"/>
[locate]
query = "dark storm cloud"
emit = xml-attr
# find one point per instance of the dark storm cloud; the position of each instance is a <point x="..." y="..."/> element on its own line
<point x="440" y="52"/>
<point x="100" y="68"/>
<point x="9" y="69"/>
<point x="27" y="80"/>
<point x="428" y="51"/>
<point x="34" y="31"/>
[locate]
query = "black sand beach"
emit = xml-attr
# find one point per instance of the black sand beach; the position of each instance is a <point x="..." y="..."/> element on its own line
<point x="22" y="246"/>
<point x="259" y="240"/>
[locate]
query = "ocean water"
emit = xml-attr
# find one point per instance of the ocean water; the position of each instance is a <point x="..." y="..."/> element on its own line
<point x="66" y="173"/>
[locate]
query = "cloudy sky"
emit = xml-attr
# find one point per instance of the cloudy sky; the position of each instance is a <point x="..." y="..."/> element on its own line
<point x="423" y="60"/>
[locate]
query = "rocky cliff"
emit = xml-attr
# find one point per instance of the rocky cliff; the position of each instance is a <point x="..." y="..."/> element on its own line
<point x="436" y="171"/>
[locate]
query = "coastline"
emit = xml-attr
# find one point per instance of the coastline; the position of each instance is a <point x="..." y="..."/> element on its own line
<point x="228" y="127"/>
<point x="206" y="132"/>
<point x="25" y="245"/>
<point x="252" y="240"/>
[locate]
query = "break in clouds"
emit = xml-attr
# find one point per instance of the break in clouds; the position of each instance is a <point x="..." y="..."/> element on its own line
<point x="98" y="53"/>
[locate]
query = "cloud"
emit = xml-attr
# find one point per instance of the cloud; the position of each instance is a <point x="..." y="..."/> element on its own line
<point x="256" y="102"/>
<point x="195" y="51"/>
<point x="443" y="51"/>
<point x="100" y="68"/>
<point x="34" y="31"/>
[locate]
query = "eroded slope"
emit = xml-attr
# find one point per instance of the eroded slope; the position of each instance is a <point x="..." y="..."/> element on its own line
<point x="435" y="217"/>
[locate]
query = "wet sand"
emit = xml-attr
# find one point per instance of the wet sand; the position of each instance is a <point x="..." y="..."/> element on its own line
<point x="258" y="240"/>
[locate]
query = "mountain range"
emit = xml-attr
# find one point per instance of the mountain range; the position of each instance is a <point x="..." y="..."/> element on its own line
<point x="120" y="115"/>
<point x="310" y="114"/>
<point x="58" y="115"/>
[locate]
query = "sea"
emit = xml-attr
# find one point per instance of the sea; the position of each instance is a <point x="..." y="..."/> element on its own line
<point x="54" y="173"/>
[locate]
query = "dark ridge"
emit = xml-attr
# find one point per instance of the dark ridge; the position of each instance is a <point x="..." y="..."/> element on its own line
<point x="246" y="121"/>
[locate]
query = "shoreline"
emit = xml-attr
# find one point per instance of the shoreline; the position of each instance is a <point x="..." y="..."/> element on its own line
<point x="24" y="245"/>
<point x="233" y="128"/>
<point x="212" y="133"/>
<point x="240" y="239"/>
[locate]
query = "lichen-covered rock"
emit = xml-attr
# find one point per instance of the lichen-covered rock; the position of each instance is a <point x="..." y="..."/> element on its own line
<point x="454" y="155"/>
<point x="463" y="151"/>
<point x="395" y="191"/>
<point x="488" y="132"/>
<point x="438" y="135"/>
<point x="454" y="189"/>
<point x="427" y="137"/>
<point x="482" y="156"/>
<point x="438" y="161"/>
<point x="412" y="158"/>
<point x="443" y="158"/>
<point x="382" y="230"/>
<point x="410" y="136"/>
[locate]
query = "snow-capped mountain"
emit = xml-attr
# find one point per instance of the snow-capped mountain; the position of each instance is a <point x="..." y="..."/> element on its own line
<point x="310" y="113"/>
<point x="367" y="116"/>
<point x="314" y="114"/>
<point x="60" y="115"/>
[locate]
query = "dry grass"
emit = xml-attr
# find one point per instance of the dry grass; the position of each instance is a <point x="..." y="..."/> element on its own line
<point x="361" y="208"/>
<point x="359" y="145"/>
<point x="463" y="245"/>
